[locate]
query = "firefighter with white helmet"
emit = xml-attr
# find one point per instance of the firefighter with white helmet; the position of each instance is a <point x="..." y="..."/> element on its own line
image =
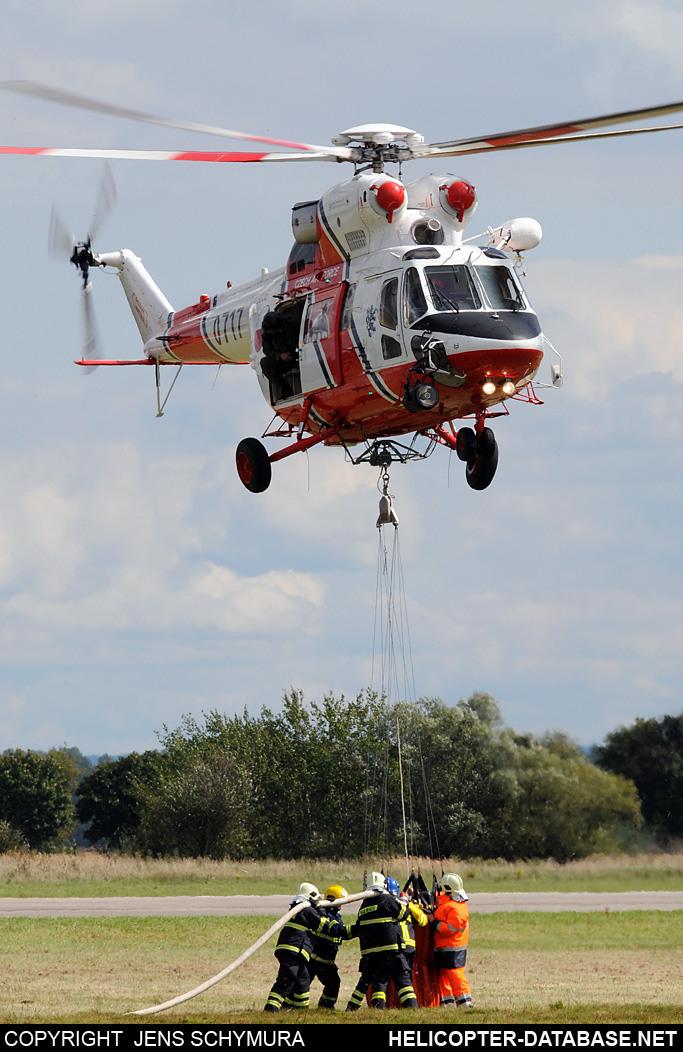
<point x="378" y="929"/>
<point x="451" y="937"/>
<point x="293" y="951"/>
<point x="325" y="947"/>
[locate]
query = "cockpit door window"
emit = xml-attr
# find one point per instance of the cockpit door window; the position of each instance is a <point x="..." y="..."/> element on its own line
<point x="500" y="287"/>
<point x="414" y="299"/>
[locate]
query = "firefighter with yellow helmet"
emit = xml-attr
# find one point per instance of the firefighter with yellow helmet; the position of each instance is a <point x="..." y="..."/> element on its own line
<point x="322" y="964"/>
<point x="451" y="936"/>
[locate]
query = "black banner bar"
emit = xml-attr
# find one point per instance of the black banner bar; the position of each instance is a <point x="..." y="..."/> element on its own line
<point x="129" y="1037"/>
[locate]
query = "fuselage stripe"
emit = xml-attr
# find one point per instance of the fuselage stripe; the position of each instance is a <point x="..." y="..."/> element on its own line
<point x="323" y="364"/>
<point x="330" y="232"/>
<point x="373" y="377"/>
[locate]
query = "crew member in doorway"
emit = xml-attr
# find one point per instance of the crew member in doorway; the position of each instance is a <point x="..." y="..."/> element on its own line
<point x="451" y="936"/>
<point x="293" y="951"/>
<point x="278" y="353"/>
<point x="325" y="947"/>
<point x="378" y="928"/>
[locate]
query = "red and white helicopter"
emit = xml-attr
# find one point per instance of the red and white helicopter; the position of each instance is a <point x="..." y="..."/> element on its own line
<point x="397" y="324"/>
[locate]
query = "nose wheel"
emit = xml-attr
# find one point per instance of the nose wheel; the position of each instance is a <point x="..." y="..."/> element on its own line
<point x="480" y="454"/>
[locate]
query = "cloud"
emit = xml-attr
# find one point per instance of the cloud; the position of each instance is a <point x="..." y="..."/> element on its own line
<point x="611" y="321"/>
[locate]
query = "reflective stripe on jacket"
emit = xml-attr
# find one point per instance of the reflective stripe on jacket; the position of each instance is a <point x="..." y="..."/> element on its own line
<point x="326" y="944"/>
<point x="298" y="934"/>
<point x="377" y="926"/>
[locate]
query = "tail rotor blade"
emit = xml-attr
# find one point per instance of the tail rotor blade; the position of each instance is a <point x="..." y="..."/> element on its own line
<point x="106" y="199"/>
<point x="91" y="343"/>
<point x="60" y="241"/>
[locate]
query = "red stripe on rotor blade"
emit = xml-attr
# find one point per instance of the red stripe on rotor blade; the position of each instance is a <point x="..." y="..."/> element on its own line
<point x="24" y="149"/>
<point x="194" y="155"/>
<point x="546" y="133"/>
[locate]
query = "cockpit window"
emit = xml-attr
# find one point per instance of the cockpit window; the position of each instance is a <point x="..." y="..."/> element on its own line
<point x="452" y="288"/>
<point x="500" y="287"/>
<point x="414" y="299"/>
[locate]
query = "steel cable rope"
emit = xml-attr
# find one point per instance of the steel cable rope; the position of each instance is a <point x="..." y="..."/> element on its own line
<point x="248" y="953"/>
<point x="391" y="615"/>
<point x="394" y="634"/>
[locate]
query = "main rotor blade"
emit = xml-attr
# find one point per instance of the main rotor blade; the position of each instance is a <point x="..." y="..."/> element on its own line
<point x="530" y="136"/>
<point x="164" y="155"/>
<point x="65" y="98"/>
<point x="522" y="144"/>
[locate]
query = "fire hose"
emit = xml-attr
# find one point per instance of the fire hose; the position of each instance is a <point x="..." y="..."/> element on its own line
<point x="247" y="953"/>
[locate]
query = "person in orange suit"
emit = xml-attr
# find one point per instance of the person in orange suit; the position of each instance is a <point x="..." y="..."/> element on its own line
<point x="451" y="936"/>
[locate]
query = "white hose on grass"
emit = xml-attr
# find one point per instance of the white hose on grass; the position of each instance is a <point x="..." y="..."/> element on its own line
<point x="247" y="953"/>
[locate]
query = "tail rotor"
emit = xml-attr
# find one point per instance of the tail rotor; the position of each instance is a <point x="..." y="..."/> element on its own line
<point x="62" y="244"/>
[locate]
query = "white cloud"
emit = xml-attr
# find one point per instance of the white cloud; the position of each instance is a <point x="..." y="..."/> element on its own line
<point x="611" y="321"/>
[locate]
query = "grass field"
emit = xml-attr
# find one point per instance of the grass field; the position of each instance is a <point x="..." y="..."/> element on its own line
<point x="620" y="967"/>
<point x="523" y="967"/>
<point x="94" y="874"/>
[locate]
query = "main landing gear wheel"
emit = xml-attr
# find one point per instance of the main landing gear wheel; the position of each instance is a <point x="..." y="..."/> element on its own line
<point x="253" y="465"/>
<point x="482" y="464"/>
<point x="465" y="443"/>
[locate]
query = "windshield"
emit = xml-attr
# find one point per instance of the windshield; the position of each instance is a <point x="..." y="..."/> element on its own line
<point x="452" y="288"/>
<point x="500" y="287"/>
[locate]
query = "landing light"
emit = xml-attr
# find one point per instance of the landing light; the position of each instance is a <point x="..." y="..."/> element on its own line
<point x="508" y="387"/>
<point x="488" y="387"/>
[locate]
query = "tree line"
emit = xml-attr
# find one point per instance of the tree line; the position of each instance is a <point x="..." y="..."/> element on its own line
<point x="347" y="778"/>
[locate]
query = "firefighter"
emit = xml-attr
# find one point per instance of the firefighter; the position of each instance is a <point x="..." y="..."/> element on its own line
<point x="416" y="915"/>
<point x="378" y="929"/>
<point x="293" y="951"/>
<point x="325" y="947"/>
<point x="451" y="932"/>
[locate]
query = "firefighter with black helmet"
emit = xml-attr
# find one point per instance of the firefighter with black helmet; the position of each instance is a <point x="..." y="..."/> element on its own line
<point x="378" y="929"/>
<point x="293" y="951"/>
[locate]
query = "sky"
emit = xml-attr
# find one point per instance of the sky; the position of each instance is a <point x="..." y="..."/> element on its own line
<point x="139" y="580"/>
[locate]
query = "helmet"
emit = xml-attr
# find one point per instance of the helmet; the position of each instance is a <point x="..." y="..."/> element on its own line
<point x="335" y="891"/>
<point x="308" y="891"/>
<point x="377" y="882"/>
<point x="272" y="321"/>
<point x="451" y="883"/>
<point x="392" y="886"/>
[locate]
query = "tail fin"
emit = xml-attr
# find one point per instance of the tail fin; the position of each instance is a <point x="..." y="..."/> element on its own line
<point x="150" y="308"/>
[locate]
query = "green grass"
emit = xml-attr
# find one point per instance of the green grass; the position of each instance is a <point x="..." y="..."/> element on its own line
<point x="523" y="967"/>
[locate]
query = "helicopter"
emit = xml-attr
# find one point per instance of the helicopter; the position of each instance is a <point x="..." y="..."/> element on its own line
<point x="386" y="321"/>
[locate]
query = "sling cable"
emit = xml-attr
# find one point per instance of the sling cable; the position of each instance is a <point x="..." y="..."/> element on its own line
<point x="392" y="665"/>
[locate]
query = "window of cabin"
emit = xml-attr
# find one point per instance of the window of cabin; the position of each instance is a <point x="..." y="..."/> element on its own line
<point x="388" y="304"/>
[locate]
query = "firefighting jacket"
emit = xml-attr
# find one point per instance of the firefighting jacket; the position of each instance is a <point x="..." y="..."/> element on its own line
<point x="451" y="929"/>
<point x="378" y="925"/>
<point x="298" y="934"/>
<point x="327" y="943"/>
<point x="416" y="915"/>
